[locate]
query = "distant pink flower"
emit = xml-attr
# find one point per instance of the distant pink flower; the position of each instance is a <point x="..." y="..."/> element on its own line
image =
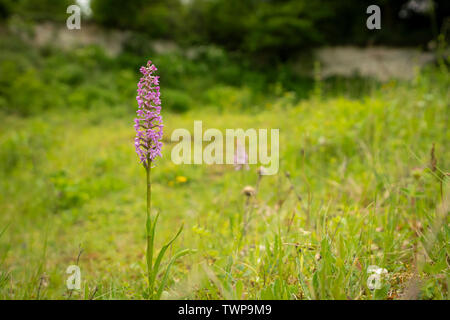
<point x="148" y="124"/>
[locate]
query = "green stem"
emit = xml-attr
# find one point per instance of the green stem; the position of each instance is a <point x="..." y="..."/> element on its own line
<point x="149" y="255"/>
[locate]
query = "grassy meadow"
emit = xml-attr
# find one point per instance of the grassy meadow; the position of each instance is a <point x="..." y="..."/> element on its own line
<point x="363" y="181"/>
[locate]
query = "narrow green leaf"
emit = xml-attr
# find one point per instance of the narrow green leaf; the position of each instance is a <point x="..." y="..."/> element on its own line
<point x="166" y="274"/>
<point x="161" y="255"/>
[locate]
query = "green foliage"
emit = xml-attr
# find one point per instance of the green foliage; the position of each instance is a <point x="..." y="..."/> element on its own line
<point x="227" y="98"/>
<point x="80" y="79"/>
<point x="5" y="8"/>
<point x="177" y="100"/>
<point x="38" y="10"/>
<point x="272" y="30"/>
<point x="280" y="28"/>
